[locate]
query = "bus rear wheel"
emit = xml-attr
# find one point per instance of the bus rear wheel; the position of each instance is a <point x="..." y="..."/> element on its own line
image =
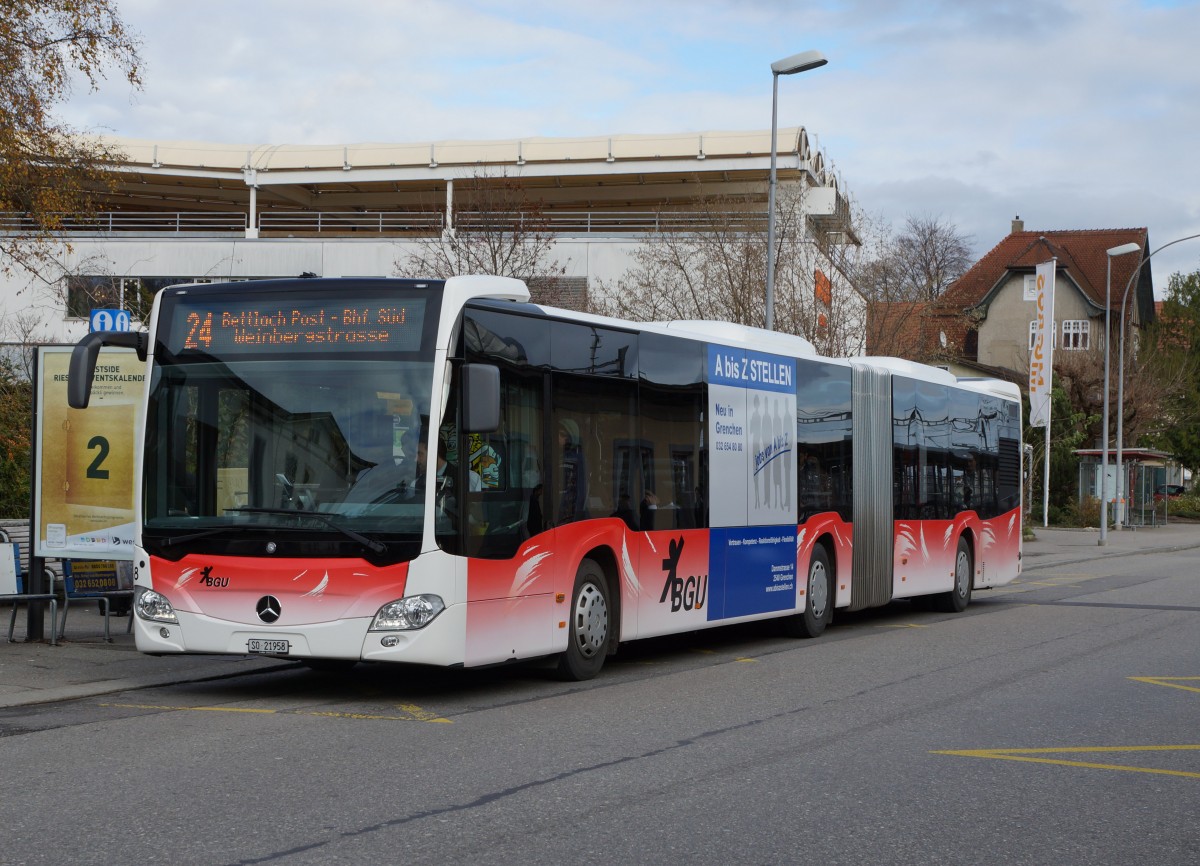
<point x="818" y="594"/>
<point x="590" y="625"/>
<point x="957" y="599"/>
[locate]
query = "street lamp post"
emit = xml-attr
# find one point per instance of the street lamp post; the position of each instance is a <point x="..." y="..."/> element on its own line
<point x="1123" y="249"/>
<point x="801" y="62"/>
<point x="1120" y="519"/>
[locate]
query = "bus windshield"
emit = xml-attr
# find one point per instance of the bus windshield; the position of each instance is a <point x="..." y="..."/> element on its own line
<point x="267" y="444"/>
<point x="314" y="451"/>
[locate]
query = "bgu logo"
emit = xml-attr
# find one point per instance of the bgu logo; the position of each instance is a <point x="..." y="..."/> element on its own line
<point x="207" y="579"/>
<point x="686" y="593"/>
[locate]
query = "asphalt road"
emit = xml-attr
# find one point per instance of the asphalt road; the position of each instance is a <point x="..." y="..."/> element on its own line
<point x="1057" y="721"/>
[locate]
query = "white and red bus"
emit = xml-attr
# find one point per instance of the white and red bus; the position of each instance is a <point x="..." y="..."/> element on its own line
<point x="440" y="472"/>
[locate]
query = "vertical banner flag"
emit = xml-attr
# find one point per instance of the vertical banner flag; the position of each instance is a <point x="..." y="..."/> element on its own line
<point x="1041" y="357"/>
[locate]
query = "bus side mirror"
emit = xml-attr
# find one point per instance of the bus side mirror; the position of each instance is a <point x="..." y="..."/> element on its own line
<point x="83" y="361"/>
<point x="481" y="398"/>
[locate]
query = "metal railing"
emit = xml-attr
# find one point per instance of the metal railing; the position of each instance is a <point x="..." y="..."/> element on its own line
<point x="131" y="221"/>
<point x="379" y="222"/>
<point x="389" y="222"/>
<point x="613" y="222"/>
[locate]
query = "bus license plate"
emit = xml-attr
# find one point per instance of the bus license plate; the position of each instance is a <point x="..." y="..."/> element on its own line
<point x="271" y="647"/>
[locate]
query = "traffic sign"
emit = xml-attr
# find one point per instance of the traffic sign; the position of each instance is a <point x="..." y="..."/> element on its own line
<point x="110" y="320"/>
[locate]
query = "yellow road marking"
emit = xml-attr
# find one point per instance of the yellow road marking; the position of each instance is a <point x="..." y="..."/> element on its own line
<point x="430" y="717"/>
<point x="195" y="709"/>
<point x="1170" y="682"/>
<point x="901" y="625"/>
<point x="744" y="659"/>
<point x="421" y="715"/>
<point x="413" y="712"/>
<point x="1026" y="755"/>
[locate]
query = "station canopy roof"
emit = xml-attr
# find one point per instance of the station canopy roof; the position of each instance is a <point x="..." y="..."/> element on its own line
<point x="619" y="172"/>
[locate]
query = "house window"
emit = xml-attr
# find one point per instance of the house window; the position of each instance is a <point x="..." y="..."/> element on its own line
<point x="1033" y="335"/>
<point x="1075" y="333"/>
<point x="1029" y="287"/>
<point x="971" y="344"/>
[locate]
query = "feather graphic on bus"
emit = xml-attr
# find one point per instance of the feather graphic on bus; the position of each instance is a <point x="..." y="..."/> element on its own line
<point x="319" y="589"/>
<point x="527" y="572"/>
<point x="188" y="574"/>
<point x="906" y="545"/>
<point x="947" y="537"/>
<point x="631" y="578"/>
<point x="300" y="575"/>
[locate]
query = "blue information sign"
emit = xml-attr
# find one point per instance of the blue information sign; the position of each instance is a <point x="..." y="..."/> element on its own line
<point x="110" y="320"/>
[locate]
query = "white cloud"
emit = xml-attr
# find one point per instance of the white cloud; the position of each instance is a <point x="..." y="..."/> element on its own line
<point x="1074" y="113"/>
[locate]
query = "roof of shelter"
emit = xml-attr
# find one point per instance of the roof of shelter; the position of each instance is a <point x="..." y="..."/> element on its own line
<point x="618" y="171"/>
<point x="619" y="184"/>
<point x="432" y="154"/>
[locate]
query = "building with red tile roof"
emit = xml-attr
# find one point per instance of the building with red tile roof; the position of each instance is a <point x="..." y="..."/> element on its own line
<point x="984" y="319"/>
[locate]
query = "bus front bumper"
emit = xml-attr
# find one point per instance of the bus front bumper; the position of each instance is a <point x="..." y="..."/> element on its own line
<point x="442" y="642"/>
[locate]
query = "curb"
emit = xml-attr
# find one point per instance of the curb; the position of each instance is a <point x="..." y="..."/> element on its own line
<point x="1107" y="555"/>
<point x="224" y="671"/>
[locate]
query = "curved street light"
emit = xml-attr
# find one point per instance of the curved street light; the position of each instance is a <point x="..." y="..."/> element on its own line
<point x="801" y="62"/>
<point x="1120" y="516"/>
<point x="1109" y="255"/>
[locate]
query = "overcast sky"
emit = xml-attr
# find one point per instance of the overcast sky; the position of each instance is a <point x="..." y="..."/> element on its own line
<point x="1074" y="114"/>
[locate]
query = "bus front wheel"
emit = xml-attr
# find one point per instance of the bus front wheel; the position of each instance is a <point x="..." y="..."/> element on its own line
<point x="957" y="599"/>
<point x="818" y="594"/>
<point x="590" y="625"/>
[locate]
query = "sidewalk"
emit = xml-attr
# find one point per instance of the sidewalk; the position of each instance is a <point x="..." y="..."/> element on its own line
<point x="1054" y="547"/>
<point x="83" y="665"/>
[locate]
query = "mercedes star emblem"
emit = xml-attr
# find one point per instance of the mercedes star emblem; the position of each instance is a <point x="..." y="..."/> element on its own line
<point x="268" y="608"/>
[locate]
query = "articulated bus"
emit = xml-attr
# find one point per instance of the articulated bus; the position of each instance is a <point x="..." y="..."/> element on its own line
<point x="443" y="473"/>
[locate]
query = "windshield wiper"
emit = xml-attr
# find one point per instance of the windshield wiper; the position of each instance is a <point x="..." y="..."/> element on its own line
<point x="369" y="543"/>
<point x="203" y="533"/>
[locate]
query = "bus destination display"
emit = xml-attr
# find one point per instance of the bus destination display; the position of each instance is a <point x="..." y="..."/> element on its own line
<point x="344" y="324"/>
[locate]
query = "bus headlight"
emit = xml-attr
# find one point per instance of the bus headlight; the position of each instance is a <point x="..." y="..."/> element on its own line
<point x="154" y="606"/>
<point x="415" y="611"/>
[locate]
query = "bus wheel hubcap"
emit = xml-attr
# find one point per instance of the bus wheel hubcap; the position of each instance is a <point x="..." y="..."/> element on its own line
<point x="591" y="620"/>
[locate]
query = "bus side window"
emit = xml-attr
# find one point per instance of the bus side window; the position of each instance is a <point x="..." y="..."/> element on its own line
<point x="509" y="505"/>
<point x="671" y="415"/>
<point x="595" y="404"/>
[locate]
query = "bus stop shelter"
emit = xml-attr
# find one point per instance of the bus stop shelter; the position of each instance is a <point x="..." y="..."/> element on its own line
<point x="1144" y="470"/>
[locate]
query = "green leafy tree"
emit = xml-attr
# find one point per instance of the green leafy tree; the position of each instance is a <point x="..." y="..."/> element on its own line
<point x="1069" y="426"/>
<point x="15" y="398"/>
<point x="1175" y="351"/>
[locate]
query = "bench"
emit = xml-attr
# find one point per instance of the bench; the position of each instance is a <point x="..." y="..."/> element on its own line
<point x="90" y="580"/>
<point x="12" y="587"/>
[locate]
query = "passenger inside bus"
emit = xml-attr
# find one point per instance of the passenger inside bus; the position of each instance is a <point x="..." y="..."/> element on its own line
<point x="388" y="480"/>
<point x="643" y="520"/>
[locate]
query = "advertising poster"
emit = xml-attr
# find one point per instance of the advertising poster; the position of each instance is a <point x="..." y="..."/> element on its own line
<point x="83" y="504"/>
<point x="752" y="436"/>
